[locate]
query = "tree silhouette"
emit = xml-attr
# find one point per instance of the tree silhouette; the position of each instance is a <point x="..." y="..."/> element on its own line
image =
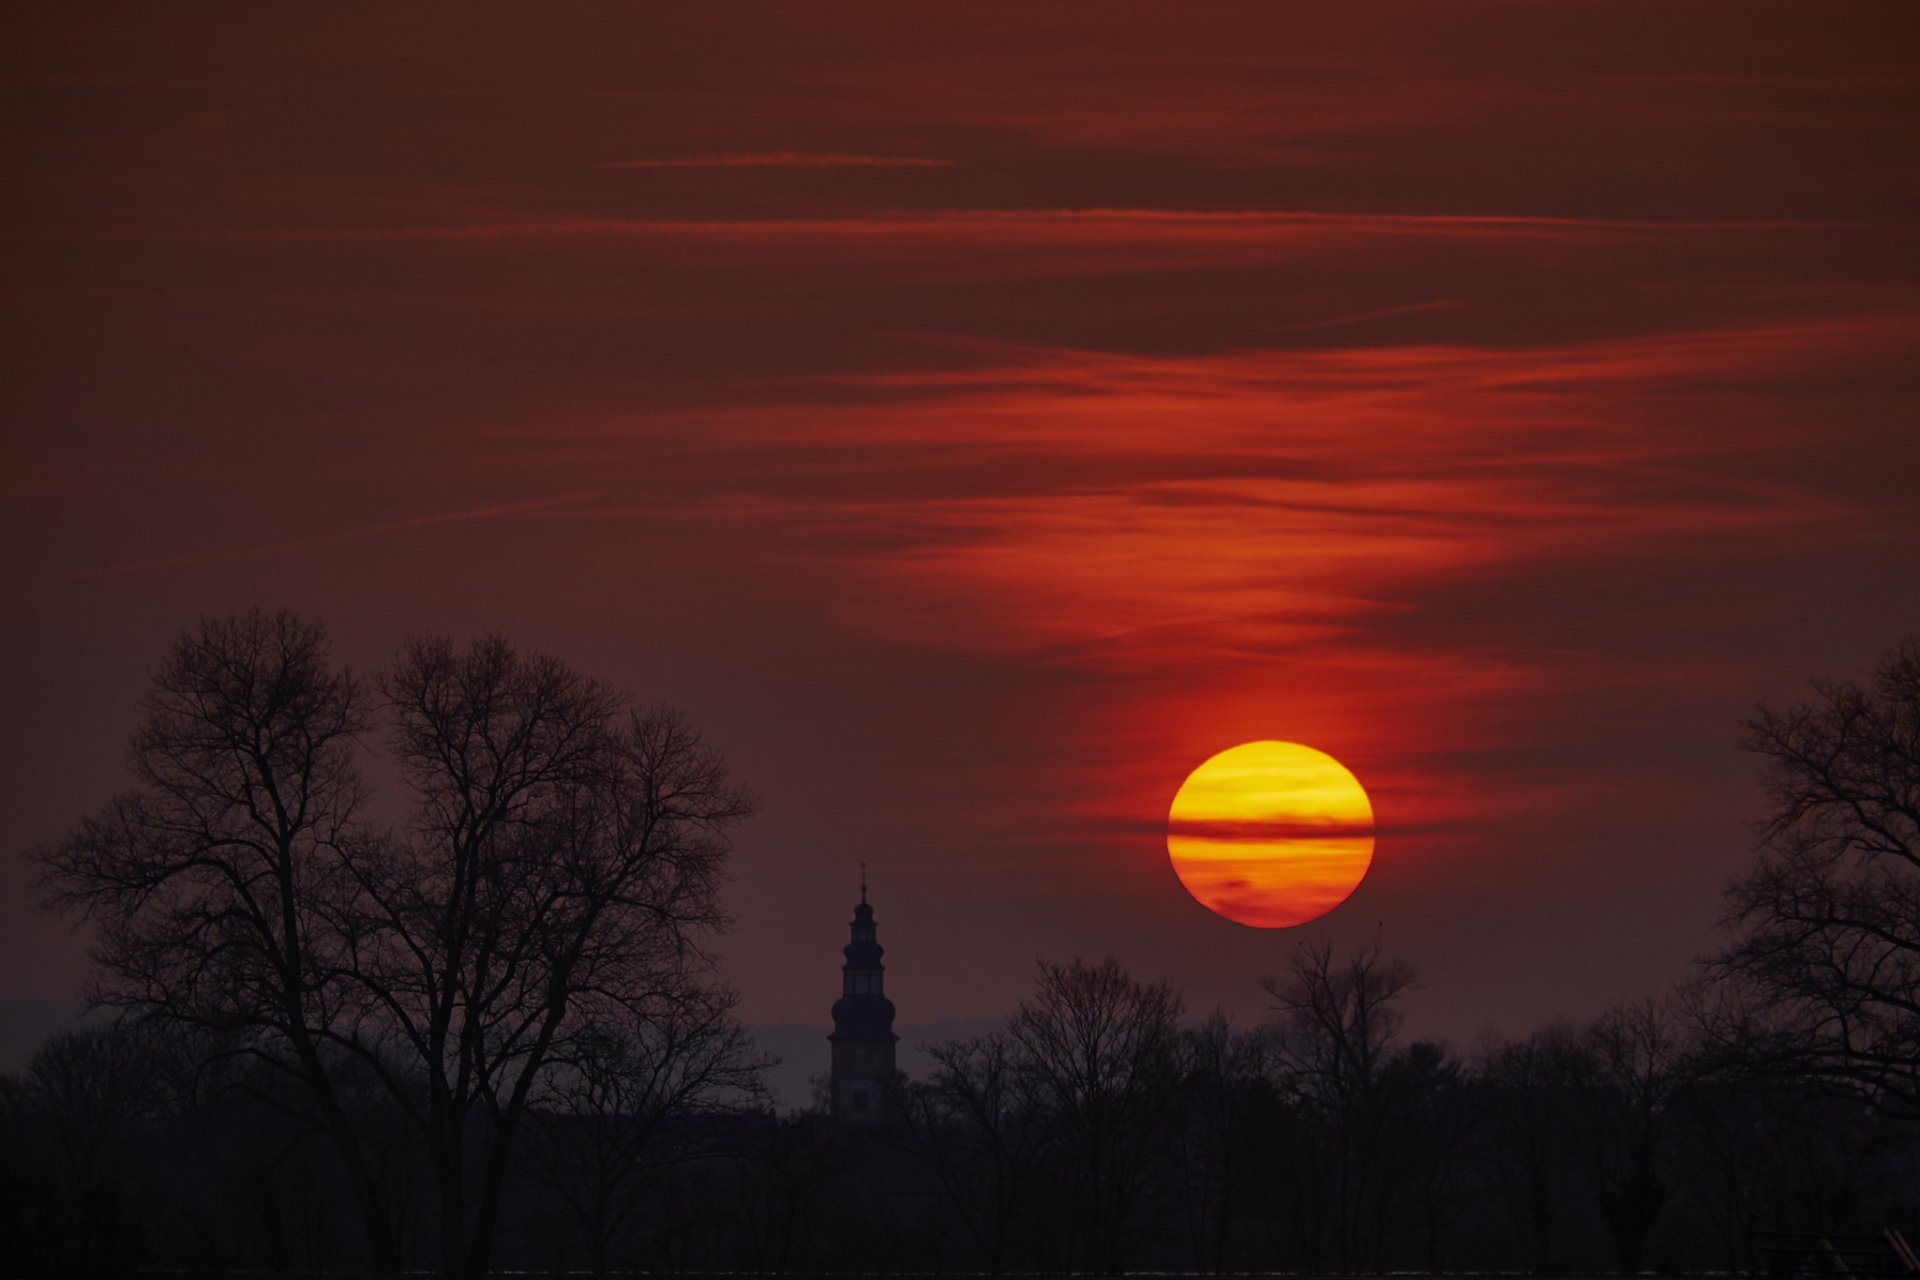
<point x="206" y="881"/>
<point x="1641" y="1061"/>
<point x="99" y="1088"/>
<point x="1102" y="1049"/>
<point x="1336" y="1024"/>
<point x="1223" y="1074"/>
<point x="607" y="1112"/>
<point x="558" y="865"/>
<point x="1825" y="929"/>
<point x="980" y="1125"/>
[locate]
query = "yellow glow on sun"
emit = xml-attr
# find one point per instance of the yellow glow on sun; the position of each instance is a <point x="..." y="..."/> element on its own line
<point x="1271" y="834"/>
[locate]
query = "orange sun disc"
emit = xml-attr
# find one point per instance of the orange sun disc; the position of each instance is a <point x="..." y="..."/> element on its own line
<point x="1271" y="834"/>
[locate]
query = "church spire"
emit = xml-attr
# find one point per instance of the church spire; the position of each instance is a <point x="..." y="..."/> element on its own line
<point x="863" y="1039"/>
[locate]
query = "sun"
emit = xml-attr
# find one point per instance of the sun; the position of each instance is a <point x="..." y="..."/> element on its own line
<point x="1271" y="834"/>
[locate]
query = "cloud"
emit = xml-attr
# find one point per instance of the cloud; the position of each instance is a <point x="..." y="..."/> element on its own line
<point x="356" y="533"/>
<point x="782" y="160"/>
<point x="1160" y="512"/>
<point x="1053" y="227"/>
<point x="1267" y="831"/>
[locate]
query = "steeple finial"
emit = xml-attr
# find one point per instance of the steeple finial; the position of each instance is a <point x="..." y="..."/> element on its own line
<point x="863" y="884"/>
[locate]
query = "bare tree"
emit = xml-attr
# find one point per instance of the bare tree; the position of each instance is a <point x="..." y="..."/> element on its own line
<point x="562" y="861"/>
<point x="619" y="1089"/>
<point x="1428" y="1117"/>
<point x="1641" y="1062"/>
<point x="1102" y="1048"/>
<point x="1222" y="1071"/>
<point x="206" y="881"/>
<point x="1536" y="1087"/>
<point x="1336" y="1024"/>
<point x="99" y="1088"/>
<point x="792" y="1174"/>
<point x="1825" y="929"/>
<point x="560" y="864"/>
<point x="979" y="1124"/>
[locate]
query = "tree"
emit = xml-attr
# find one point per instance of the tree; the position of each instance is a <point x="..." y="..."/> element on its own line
<point x="100" y="1090"/>
<point x="1426" y="1106"/>
<point x="1641" y="1062"/>
<point x="1102" y="1049"/>
<point x="1824" y="931"/>
<point x="205" y="881"/>
<point x="559" y="865"/>
<point x="1536" y="1086"/>
<point x="1223" y="1074"/>
<point x="979" y="1124"/>
<point x="1336" y="1026"/>
<point x="620" y="1089"/>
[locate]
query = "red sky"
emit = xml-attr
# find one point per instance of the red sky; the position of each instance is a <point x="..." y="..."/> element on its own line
<point x="976" y="415"/>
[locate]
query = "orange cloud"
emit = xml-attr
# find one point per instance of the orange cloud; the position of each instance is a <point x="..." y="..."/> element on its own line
<point x="1240" y="502"/>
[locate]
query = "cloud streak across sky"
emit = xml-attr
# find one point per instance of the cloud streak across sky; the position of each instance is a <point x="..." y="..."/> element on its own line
<point x="1066" y="228"/>
<point x="781" y="160"/>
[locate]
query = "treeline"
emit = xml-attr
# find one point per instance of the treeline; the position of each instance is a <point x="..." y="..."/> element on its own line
<point x="1097" y="1131"/>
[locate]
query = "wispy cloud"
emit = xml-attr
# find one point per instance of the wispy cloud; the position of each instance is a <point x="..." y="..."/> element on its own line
<point x="1156" y="512"/>
<point x="782" y="160"/>
<point x="355" y="533"/>
<point x="1053" y="227"/>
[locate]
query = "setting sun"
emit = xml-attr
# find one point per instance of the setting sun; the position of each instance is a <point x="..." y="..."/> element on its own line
<point x="1271" y="834"/>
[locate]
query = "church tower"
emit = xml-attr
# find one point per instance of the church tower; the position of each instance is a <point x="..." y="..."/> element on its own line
<point x="862" y="1038"/>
